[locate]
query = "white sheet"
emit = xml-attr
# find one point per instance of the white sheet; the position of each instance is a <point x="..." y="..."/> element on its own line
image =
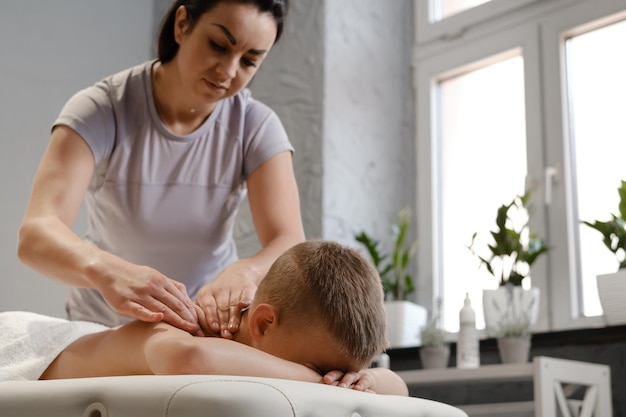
<point x="29" y="342"/>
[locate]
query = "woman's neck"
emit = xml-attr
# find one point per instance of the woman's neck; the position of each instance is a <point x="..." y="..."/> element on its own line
<point x="173" y="106"/>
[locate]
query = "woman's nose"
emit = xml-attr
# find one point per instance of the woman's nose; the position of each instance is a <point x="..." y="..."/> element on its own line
<point x="227" y="68"/>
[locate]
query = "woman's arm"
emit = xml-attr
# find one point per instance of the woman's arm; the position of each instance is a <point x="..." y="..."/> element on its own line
<point x="48" y="244"/>
<point x="275" y="206"/>
<point x="46" y="240"/>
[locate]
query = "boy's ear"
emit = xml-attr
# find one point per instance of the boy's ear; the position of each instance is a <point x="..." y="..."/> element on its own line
<point x="262" y="320"/>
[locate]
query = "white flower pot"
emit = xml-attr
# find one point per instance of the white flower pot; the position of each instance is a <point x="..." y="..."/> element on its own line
<point x="514" y="349"/>
<point x="612" y="292"/>
<point x="404" y="322"/>
<point x="434" y="357"/>
<point x="509" y="303"/>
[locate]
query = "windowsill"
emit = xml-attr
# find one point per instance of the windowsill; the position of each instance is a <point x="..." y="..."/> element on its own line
<point x="542" y="344"/>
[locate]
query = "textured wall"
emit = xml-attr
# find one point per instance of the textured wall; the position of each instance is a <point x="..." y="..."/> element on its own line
<point x="291" y="82"/>
<point x="368" y="114"/>
<point x="341" y="81"/>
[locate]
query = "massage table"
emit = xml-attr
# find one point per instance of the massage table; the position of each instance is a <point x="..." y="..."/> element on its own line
<point x="203" y="396"/>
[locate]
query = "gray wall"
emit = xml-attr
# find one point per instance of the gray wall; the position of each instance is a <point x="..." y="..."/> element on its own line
<point x="340" y="80"/>
<point x="51" y="49"/>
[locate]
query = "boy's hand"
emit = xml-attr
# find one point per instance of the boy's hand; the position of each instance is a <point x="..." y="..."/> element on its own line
<point x="360" y="381"/>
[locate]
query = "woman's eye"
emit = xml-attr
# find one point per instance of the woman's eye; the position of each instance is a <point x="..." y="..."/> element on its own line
<point x="248" y="62"/>
<point x="217" y="47"/>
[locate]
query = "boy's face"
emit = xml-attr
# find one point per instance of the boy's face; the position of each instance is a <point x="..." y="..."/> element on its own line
<point x="311" y="346"/>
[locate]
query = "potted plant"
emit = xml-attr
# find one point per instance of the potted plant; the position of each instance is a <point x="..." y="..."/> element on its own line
<point x="393" y="267"/>
<point x="404" y="318"/>
<point x="513" y="337"/>
<point x="514" y="249"/>
<point x="612" y="286"/>
<point x="434" y="349"/>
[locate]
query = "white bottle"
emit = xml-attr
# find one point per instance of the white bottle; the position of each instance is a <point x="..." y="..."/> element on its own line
<point x="467" y="347"/>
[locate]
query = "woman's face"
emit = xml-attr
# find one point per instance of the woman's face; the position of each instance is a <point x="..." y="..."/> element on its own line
<point x="223" y="51"/>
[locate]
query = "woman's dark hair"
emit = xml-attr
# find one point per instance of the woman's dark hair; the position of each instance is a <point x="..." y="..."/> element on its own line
<point x="167" y="46"/>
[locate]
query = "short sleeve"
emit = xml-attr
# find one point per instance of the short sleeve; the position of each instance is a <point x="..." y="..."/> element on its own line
<point x="90" y="113"/>
<point x="265" y="136"/>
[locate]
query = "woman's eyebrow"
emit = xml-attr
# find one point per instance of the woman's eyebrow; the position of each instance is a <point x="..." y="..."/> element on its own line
<point x="229" y="35"/>
<point x="233" y="41"/>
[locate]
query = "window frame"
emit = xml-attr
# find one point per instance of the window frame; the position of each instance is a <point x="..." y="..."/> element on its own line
<point x="539" y="30"/>
<point x="454" y="62"/>
<point x="556" y="29"/>
<point x="457" y="24"/>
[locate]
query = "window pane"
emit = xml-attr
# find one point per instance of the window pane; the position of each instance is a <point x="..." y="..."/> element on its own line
<point x="597" y="99"/>
<point x="482" y="148"/>
<point x="446" y="8"/>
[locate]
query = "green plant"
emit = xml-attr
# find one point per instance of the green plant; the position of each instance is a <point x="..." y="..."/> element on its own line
<point x="392" y="267"/>
<point x="514" y="249"/>
<point x="518" y="328"/>
<point x="433" y="336"/>
<point x="614" y="231"/>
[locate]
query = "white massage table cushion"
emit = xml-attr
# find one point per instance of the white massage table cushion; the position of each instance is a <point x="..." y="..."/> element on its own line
<point x="203" y="396"/>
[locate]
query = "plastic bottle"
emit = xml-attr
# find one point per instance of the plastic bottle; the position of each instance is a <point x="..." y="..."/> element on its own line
<point x="467" y="347"/>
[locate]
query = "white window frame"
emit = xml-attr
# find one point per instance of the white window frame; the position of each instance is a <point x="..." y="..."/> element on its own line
<point x="538" y="29"/>
<point x="457" y="61"/>
<point x="453" y="26"/>
<point x="556" y="28"/>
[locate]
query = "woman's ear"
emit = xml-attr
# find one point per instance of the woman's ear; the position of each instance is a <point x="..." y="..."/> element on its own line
<point x="262" y="320"/>
<point x="180" y="24"/>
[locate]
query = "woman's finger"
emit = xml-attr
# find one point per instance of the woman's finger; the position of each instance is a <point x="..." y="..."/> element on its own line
<point x="139" y="312"/>
<point x="175" y="297"/>
<point x="223" y="313"/>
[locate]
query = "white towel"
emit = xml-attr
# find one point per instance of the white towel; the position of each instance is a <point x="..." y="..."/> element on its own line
<point x="29" y="342"/>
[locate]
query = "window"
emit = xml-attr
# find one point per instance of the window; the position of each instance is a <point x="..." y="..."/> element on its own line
<point x="482" y="160"/>
<point x="439" y="19"/>
<point x="595" y="74"/>
<point x="529" y="98"/>
<point x="445" y="8"/>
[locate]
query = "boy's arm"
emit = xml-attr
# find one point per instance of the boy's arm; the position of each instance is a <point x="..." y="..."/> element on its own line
<point x="387" y="382"/>
<point x="378" y="380"/>
<point x="172" y="351"/>
<point x="159" y="348"/>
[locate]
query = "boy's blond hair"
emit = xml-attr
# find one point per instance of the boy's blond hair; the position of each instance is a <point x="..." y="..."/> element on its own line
<point x="325" y="280"/>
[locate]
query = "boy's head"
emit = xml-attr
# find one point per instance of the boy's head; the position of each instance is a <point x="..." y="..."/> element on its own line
<point x="323" y="286"/>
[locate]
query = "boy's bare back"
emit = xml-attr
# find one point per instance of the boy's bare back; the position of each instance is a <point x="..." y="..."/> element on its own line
<point x="119" y="351"/>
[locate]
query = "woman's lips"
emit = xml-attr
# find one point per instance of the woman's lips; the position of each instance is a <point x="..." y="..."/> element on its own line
<point x="216" y="86"/>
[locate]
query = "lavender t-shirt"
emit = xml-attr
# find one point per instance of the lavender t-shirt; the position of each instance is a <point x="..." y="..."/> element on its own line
<point x="160" y="199"/>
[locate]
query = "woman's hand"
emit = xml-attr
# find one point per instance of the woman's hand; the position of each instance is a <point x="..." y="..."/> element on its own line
<point x="145" y="294"/>
<point x="48" y="244"/>
<point x="224" y="299"/>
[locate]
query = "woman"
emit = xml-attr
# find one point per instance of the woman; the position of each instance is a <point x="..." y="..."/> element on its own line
<point x="163" y="153"/>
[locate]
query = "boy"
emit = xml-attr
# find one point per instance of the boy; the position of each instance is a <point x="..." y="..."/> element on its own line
<point x="317" y="316"/>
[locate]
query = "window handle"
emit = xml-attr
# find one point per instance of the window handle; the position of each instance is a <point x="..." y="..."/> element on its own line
<point x="550" y="177"/>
